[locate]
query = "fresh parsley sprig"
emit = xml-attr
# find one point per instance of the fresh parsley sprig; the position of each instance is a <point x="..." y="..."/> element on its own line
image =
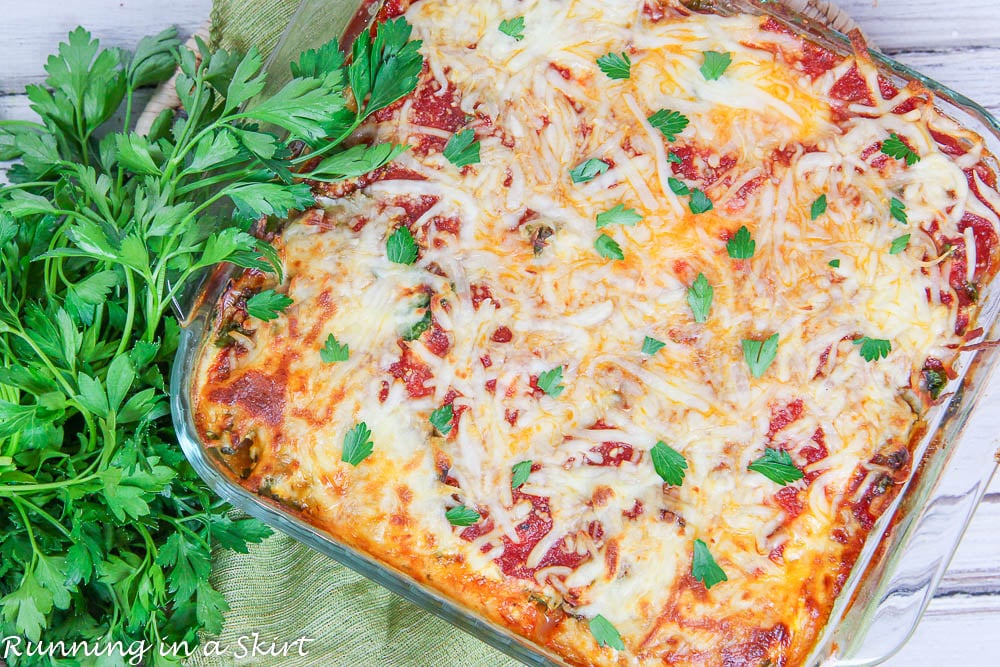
<point x="895" y="147"/>
<point x="759" y="354"/>
<point x="462" y="149"/>
<point x="777" y="466"/>
<point x="588" y="170"/>
<point x="704" y="568"/>
<point x="699" y="298"/>
<point x="668" y="463"/>
<point x="669" y="122"/>
<point x="101" y="229"/>
<point x="615" y="66"/>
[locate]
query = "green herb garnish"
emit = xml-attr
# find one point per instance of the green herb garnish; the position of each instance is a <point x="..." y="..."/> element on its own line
<point x="588" y="170"/>
<point x="741" y="246"/>
<point x="714" y="64"/>
<point x="605" y="634"/>
<point x="894" y="147"/>
<point x="777" y="466"/>
<point x="818" y="207"/>
<point x="699" y="298"/>
<point x="619" y="215"/>
<point x="897" y="209"/>
<point x="615" y="66"/>
<point x="677" y="186"/>
<point x="899" y="244"/>
<point x="267" y="305"/>
<point x="699" y="202"/>
<point x="873" y="349"/>
<point x="519" y="474"/>
<point x="550" y="382"/>
<point x="401" y="248"/>
<point x="608" y="248"/>
<point x="704" y="568"/>
<point x="513" y="27"/>
<point x="670" y="123"/>
<point x="441" y="418"/>
<point x="462" y="149"/>
<point x="760" y="353"/>
<point x="651" y="345"/>
<point x="462" y="516"/>
<point x="357" y="445"/>
<point x="334" y="351"/>
<point x="668" y="463"/>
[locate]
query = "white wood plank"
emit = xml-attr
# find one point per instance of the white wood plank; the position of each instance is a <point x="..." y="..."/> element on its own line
<point x="897" y="25"/>
<point x="958" y="630"/>
<point x="31" y="30"/>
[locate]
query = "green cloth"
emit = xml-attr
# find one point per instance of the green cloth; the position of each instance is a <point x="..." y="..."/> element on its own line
<point x="283" y="590"/>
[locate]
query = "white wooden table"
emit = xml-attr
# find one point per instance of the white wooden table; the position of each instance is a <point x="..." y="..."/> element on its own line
<point x="956" y="42"/>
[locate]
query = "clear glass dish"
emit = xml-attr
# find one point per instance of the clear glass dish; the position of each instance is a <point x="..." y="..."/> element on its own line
<point x="909" y="547"/>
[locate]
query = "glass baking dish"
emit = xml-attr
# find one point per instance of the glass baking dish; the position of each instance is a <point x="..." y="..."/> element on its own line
<point x="909" y="547"/>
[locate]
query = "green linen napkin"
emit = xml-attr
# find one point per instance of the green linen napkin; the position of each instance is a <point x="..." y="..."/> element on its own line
<point x="282" y="590"/>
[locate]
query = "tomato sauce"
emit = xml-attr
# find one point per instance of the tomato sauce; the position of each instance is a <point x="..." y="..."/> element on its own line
<point x="412" y="373"/>
<point x="783" y="416"/>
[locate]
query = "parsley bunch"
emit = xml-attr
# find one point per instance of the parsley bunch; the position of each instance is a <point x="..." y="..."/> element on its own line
<point x="105" y="530"/>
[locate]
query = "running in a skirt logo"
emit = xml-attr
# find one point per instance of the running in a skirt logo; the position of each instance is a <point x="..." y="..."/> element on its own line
<point x="135" y="653"/>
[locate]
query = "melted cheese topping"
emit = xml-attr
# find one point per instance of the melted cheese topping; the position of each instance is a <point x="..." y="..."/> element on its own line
<point x="764" y="141"/>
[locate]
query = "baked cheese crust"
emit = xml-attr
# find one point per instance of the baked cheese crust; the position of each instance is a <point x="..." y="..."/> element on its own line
<point x="508" y="286"/>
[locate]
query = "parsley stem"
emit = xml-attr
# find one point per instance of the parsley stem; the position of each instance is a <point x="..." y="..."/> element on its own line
<point x="24" y="123"/>
<point x="15" y="490"/>
<point x="27" y="525"/>
<point x="331" y="145"/>
<point x="45" y="515"/>
<point x="129" y="313"/>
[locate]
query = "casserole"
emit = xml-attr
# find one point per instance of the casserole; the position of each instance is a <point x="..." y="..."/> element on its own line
<point x="774" y="412"/>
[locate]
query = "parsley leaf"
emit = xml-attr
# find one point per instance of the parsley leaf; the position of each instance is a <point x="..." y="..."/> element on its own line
<point x="699" y="203"/>
<point x="651" y="345"/>
<point x="615" y="66"/>
<point x="899" y="244"/>
<point x="673" y="157"/>
<point x="519" y="474"/>
<point x="441" y="418"/>
<point x="760" y="353"/>
<point x="267" y="305"/>
<point x="513" y="27"/>
<point x="588" y="170"/>
<point x="619" y="215"/>
<point x="715" y="64"/>
<point x="741" y="246"/>
<point x="777" y="466"/>
<point x="550" y="381"/>
<point x="818" y="207"/>
<point x="835" y="263"/>
<point x="895" y="148"/>
<point x="668" y="463"/>
<point x="677" y="186"/>
<point x="462" y="149"/>
<point x="704" y="568"/>
<point x="897" y="209"/>
<point x="333" y="351"/>
<point x="357" y="445"/>
<point x="462" y="516"/>
<point x="873" y="349"/>
<point x="401" y="248"/>
<point x="608" y="248"/>
<point x="699" y="297"/>
<point x="605" y="634"/>
<point x="670" y="123"/>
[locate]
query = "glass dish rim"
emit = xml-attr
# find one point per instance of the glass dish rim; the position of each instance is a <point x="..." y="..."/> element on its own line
<point x="869" y="564"/>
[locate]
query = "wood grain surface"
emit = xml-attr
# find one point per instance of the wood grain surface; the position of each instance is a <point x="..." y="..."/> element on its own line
<point x="957" y="43"/>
